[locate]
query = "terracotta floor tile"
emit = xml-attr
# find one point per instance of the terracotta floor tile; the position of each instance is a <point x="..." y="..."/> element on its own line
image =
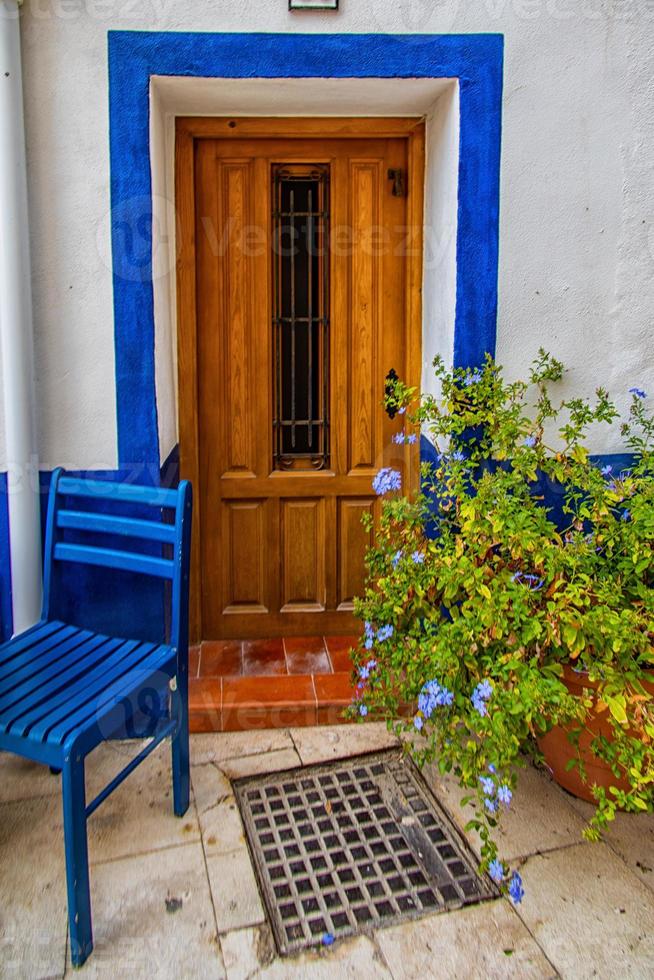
<point x="261" y="691"/>
<point x="263" y="657"/>
<point x="221" y="658"/>
<point x="341" y="642"/>
<point x="205" y="704"/>
<point x="193" y="661"/>
<point x="304" y="644"/>
<point x="339" y="648"/>
<point x="268" y="702"/>
<point x="245" y="719"/>
<point x="334" y="688"/>
<point x="308" y="662"/>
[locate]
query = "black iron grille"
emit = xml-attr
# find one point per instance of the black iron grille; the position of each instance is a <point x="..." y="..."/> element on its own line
<point x="301" y="315"/>
<point x="346" y="847"/>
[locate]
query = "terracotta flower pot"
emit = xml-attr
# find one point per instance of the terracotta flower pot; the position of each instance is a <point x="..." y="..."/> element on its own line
<point x="558" y="751"/>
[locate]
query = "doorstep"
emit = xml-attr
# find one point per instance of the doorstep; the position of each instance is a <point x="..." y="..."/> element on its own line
<point x="278" y="683"/>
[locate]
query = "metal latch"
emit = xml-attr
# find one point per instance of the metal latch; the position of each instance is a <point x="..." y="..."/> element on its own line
<point x="397" y="176"/>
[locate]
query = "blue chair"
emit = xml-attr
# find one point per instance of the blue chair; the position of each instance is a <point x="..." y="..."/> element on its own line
<point x="64" y="689"/>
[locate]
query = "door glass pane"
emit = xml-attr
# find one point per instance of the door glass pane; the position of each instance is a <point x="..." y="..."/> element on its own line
<point x="301" y="315"/>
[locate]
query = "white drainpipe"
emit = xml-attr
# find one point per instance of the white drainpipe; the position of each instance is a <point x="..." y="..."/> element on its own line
<point x="16" y="333"/>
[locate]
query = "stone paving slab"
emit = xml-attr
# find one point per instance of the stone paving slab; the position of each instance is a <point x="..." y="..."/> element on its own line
<point x="352" y="959"/>
<point x="339" y="741"/>
<point x="234" y="889"/>
<point x="476" y="943"/>
<point x="589" y="913"/>
<point x="138" y="816"/>
<point x="153" y="917"/>
<point x="33" y="918"/>
<point x="220" y="822"/>
<point x="538" y="819"/>
<point x="631" y="835"/>
<point x="245" y="951"/>
<point x="217" y="747"/>
<point x="256" y="765"/>
<point x="21" y="779"/>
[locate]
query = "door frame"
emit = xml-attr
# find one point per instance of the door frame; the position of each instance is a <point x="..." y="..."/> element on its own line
<point x="187" y="130"/>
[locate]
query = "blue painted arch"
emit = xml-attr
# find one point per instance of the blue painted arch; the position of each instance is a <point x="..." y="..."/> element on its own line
<point x="476" y="60"/>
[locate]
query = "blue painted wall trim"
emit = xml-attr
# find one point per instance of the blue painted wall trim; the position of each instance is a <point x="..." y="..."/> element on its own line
<point x="5" y="571"/>
<point x="476" y="60"/>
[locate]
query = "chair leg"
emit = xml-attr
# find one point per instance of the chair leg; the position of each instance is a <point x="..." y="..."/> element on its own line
<point x="77" y="861"/>
<point x="181" y="777"/>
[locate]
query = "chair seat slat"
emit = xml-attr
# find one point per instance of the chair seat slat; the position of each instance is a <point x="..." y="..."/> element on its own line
<point x="119" y="656"/>
<point x="122" y="685"/>
<point x="104" y="490"/>
<point x="25" y="643"/>
<point x="128" y="561"/>
<point x="111" y="524"/>
<point x="53" y="679"/>
<point x="54" y="659"/>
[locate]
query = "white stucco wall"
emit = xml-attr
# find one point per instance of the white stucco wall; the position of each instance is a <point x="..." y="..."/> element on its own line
<point x="577" y="228"/>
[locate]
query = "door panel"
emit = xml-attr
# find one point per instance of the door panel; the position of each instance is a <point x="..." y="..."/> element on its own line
<point x="281" y="539"/>
<point x="303" y="568"/>
<point x="353" y="542"/>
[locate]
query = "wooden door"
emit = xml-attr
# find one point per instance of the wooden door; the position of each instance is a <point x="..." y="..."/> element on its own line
<point x="303" y="247"/>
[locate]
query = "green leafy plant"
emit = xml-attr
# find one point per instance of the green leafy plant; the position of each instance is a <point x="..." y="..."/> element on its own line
<point x="521" y="554"/>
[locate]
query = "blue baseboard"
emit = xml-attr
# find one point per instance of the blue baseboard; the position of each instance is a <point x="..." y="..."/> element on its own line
<point x="550" y="493"/>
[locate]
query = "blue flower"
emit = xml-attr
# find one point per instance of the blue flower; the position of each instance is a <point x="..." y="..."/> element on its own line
<point x="458" y="456"/>
<point x="386" y="481"/>
<point x="638" y="392"/>
<point x="472" y="379"/>
<point x="411" y="439"/>
<point x="480" y="696"/>
<point x="626" y="515"/>
<point x="504" y="795"/>
<point x="384" y="633"/>
<point x="530" y="442"/>
<point x="328" y="939"/>
<point x="401" y="410"/>
<point x="491" y="768"/>
<point x="363" y="710"/>
<point x="484" y="688"/>
<point x="491" y="805"/>
<point x="399" y="438"/>
<point x="369" y="634"/>
<point x="496" y="870"/>
<point x="395" y="560"/>
<point x="535" y="583"/>
<point x="516" y="891"/>
<point x="418" y="722"/>
<point x="606" y="470"/>
<point x="487" y="785"/>
<point x="417" y="557"/>
<point x="371" y="664"/>
<point x="432" y="696"/>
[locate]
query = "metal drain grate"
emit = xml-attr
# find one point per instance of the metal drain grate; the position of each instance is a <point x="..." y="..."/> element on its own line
<point x="355" y="844"/>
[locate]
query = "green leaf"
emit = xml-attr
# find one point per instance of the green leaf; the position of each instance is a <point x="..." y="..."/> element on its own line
<point x="617" y="708"/>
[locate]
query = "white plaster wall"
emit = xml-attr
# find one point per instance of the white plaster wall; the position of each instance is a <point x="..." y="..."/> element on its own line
<point x="577" y="229"/>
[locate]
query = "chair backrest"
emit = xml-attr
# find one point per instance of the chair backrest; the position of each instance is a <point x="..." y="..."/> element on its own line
<point x="86" y="524"/>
